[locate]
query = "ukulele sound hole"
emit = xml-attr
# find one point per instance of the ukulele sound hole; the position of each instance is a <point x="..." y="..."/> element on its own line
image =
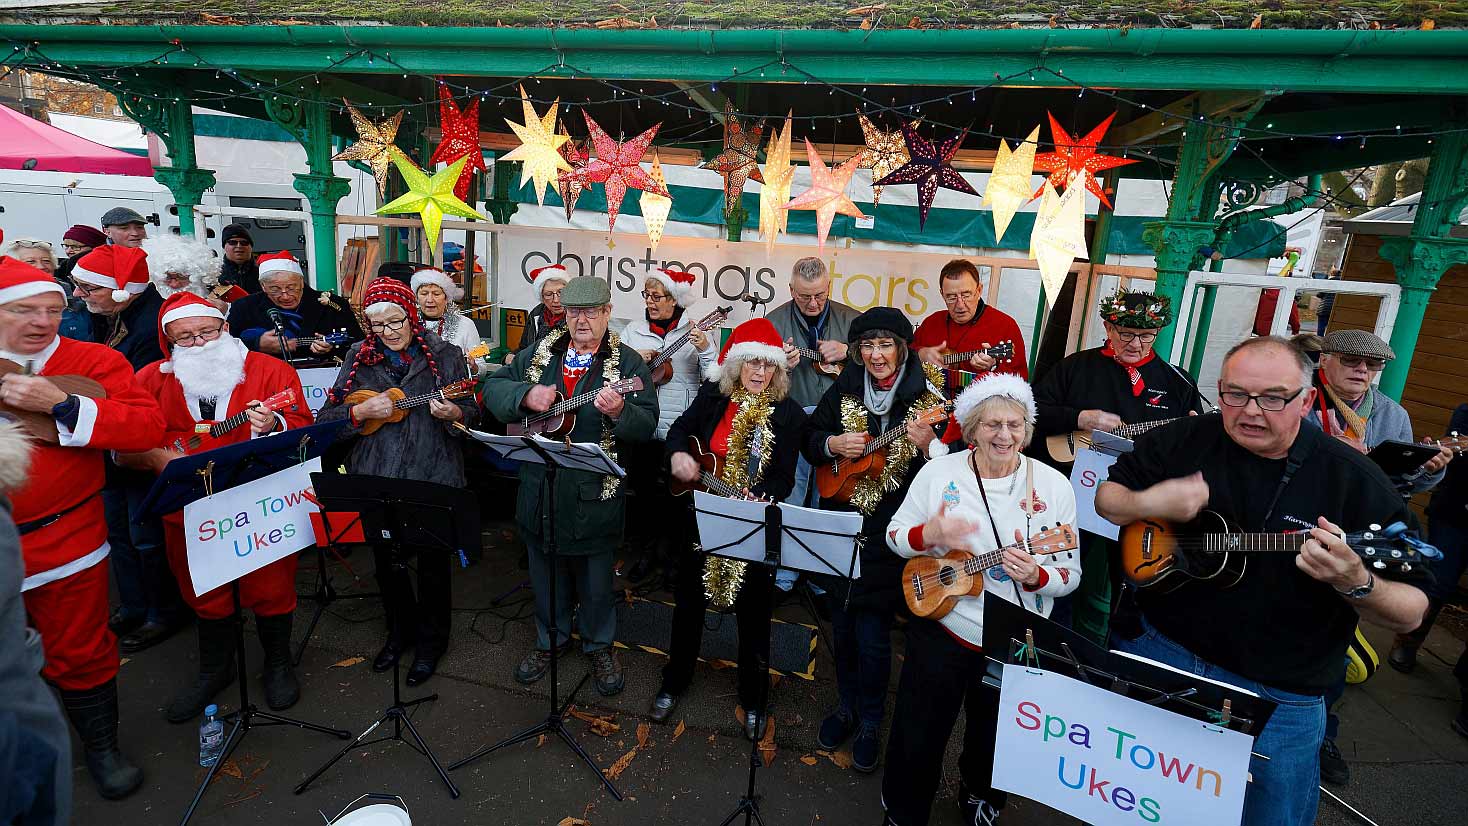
<point x="946" y="576"/>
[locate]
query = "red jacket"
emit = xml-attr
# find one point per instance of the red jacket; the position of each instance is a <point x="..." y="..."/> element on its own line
<point x="991" y="326"/>
<point x="264" y="377"/>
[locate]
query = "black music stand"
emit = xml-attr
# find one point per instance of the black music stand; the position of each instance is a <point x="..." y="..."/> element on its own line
<point x="190" y="478"/>
<point x="397" y="513"/>
<point x="326" y="593"/>
<point x="588" y="458"/>
<point x="775" y="536"/>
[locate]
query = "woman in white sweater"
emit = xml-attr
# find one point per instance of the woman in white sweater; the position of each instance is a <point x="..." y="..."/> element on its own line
<point x="436" y="293"/>
<point x="978" y="500"/>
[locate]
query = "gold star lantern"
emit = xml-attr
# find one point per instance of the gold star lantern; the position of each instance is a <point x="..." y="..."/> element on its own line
<point x="884" y="153"/>
<point x="655" y="207"/>
<point x="1059" y="237"/>
<point x="773" y="195"/>
<point x="539" y="147"/>
<point x="1009" y="182"/>
<point x="374" y="144"/>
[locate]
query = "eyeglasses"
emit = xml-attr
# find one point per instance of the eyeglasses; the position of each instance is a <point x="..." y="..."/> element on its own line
<point x="1268" y="402"/>
<point x="194" y="339"/>
<point x="280" y="291"/>
<point x="72" y="246"/>
<point x="655" y="296"/>
<point x="88" y="289"/>
<point x="237" y="242"/>
<point x="47" y="313"/>
<point x="869" y="347"/>
<point x="1358" y="361"/>
<point x="583" y="312"/>
<point x="1145" y="338"/>
<point x="812" y="298"/>
<point x="967" y="295"/>
<point x="387" y="326"/>
<point x="548" y="294"/>
<point x="996" y="426"/>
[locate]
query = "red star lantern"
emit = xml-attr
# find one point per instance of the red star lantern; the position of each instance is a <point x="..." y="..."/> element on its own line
<point x="1077" y="157"/>
<point x="460" y="138"/>
<point x="570" y="184"/>
<point x="617" y="166"/>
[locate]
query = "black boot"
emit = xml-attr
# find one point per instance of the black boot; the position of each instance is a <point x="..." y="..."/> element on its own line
<point x="281" y="688"/>
<point x="216" y="671"/>
<point x="93" y="712"/>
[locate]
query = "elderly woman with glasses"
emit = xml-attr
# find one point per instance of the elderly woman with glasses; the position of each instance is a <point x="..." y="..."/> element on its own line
<point x="288" y="318"/>
<point x="980" y="500"/>
<point x="75" y="323"/>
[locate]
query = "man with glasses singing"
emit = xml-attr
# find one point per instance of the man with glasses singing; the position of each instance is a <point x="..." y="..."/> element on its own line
<point x="967" y="325"/>
<point x="1282" y="630"/>
<point x="286" y="305"/>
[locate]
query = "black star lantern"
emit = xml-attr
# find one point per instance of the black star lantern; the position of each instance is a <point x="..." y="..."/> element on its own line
<point x="929" y="168"/>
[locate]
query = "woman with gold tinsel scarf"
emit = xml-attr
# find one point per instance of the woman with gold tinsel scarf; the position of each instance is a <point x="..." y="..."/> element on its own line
<point x="743" y="416"/>
<point x="892" y="387"/>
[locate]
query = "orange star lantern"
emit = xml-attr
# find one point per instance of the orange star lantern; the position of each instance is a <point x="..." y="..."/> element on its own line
<point x="1077" y="157"/>
<point x="618" y="167"/>
<point x="460" y="138"/>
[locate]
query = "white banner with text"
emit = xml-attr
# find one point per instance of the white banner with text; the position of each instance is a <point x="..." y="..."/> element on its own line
<point x="245" y="528"/>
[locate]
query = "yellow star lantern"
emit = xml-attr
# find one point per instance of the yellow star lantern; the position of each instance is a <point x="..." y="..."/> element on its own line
<point x="655" y="207"/>
<point x="539" y="147"/>
<point x="775" y="192"/>
<point x="827" y="193"/>
<point x="431" y="197"/>
<point x="1009" y="183"/>
<point x="374" y="144"/>
<point x="1059" y="237"/>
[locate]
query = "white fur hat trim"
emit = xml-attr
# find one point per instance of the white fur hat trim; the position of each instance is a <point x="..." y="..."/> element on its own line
<point x="547" y="274"/>
<point x="1007" y="385"/>
<point x="681" y="293"/>
<point x="439" y="278"/>
<point x="746" y="351"/>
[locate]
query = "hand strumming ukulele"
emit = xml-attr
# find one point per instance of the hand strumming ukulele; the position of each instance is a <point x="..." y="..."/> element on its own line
<point x="280" y="401"/>
<point x="42" y="426"/>
<point x="662" y="364"/>
<point x="832" y="369"/>
<point x="837" y="478"/>
<point x="1001" y="353"/>
<point x="708" y="479"/>
<point x="560" y="419"/>
<point x="402" y="402"/>
<point x="933" y="585"/>
<point x="1162" y="556"/>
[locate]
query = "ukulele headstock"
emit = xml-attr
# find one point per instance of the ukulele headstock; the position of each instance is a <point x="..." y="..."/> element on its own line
<point x="458" y="389"/>
<point x="1002" y="352"/>
<point x="1393" y="548"/>
<point x="1058" y="539"/>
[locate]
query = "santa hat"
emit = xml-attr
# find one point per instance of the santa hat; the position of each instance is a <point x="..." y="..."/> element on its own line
<point x="20" y="280"/>
<point x="182" y="304"/>
<point x="1007" y="385"/>
<point x="281" y="261"/>
<point x="429" y="275"/>
<point x="123" y="269"/>
<point x="755" y="339"/>
<point x="678" y="284"/>
<point x="547" y="274"/>
<point x="385" y="292"/>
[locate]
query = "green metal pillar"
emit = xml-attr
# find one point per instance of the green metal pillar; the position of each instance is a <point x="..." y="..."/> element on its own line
<point x="309" y="122"/>
<point x="172" y="120"/>
<point x="1422" y="257"/>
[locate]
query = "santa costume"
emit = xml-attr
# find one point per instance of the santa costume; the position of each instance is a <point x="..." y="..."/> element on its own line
<point x="63" y="534"/>
<point x="211" y="382"/>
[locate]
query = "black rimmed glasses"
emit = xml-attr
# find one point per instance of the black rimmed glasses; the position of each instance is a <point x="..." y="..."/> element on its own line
<point x="380" y="327"/>
<point x="195" y="339"/>
<point x="1268" y="402"/>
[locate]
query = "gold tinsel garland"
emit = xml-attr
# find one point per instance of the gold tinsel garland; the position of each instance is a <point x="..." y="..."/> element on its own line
<point x="870" y="490"/>
<point x="722" y="577"/>
<point x="611" y="372"/>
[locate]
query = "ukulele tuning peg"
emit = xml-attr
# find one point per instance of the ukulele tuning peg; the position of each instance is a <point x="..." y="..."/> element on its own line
<point x="1396" y="554"/>
<point x="1406" y="567"/>
<point x="1375" y="527"/>
<point x="1378" y="565"/>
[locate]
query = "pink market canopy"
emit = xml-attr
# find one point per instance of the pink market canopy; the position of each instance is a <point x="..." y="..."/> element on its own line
<point x="26" y="143"/>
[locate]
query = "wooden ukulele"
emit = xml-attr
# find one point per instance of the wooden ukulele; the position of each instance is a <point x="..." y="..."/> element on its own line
<point x="1001" y="353"/>
<point x="832" y="369"/>
<point x="42" y="426"/>
<point x="402" y="402"/>
<point x="1163" y="556"/>
<point x="708" y="479"/>
<point x="662" y="364"/>
<point x="1454" y="442"/>
<point x="837" y="479"/>
<point x="560" y="419"/>
<point x="1063" y="447"/>
<point x="934" y="585"/>
<point x="285" y="399"/>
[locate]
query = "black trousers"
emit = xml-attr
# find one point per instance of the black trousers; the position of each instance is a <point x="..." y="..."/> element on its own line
<point x="423" y="620"/>
<point x="649" y="507"/>
<point x="939" y="676"/>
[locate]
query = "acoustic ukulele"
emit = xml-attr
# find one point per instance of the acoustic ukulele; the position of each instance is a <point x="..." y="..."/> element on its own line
<point x="335" y="338"/>
<point x="1164" y="556"/>
<point x="280" y="401"/>
<point x="708" y="479"/>
<point x="662" y="364"/>
<point x="560" y="419"/>
<point x="1002" y="353"/>
<point x="1063" y="447"/>
<point x="402" y="402"/>
<point x="1452" y="441"/>
<point x="933" y="585"/>
<point x="42" y="426"/>
<point x="832" y="369"/>
<point x="837" y="479"/>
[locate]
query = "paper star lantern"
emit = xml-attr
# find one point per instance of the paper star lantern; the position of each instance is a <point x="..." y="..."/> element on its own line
<point x="460" y="138"/>
<point x="827" y="193"/>
<point x="618" y="167"/>
<point x="1059" y="237"/>
<point x="1009" y="182"/>
<point x="655" y="207"/>
<point x="538" y="147"/>
<point x="884" y="153"/>
<point x="929" y="167"/>
<point x="739" y="162"/>
<point x="374" y="144"/>
<point x="1078" y="157"/>
<point x="778" y="175"/>
<point x="431" y="197"/>
<point x="571" y="183"/>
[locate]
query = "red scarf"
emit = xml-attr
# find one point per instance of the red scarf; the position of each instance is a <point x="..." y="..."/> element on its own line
<point x="552" y="320"/>
<point x="1132" y="373"/>
<point x="885" y="384"/>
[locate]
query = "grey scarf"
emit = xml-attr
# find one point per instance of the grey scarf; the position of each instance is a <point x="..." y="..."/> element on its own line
<point x="879" y="402"/>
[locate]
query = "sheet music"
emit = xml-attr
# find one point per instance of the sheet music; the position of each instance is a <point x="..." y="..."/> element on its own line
<point x="817" y="541"/>
<point x="585" y="456"/>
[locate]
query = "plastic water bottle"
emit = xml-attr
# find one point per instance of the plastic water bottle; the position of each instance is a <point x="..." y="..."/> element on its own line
<point x="211" y="737"/>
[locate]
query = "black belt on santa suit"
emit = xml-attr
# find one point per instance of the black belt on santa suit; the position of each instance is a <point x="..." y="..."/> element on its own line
<point x="37" y="524"/>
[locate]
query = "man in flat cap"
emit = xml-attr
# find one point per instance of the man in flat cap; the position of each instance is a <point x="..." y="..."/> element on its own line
<point x="124" y="227"/>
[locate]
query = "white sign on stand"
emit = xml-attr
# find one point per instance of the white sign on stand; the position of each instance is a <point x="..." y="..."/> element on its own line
<point x="245" y="528"/>
<point x="315" y="382"/>
<point x="1091" y="468"/>
<point x="1113" y="761"/>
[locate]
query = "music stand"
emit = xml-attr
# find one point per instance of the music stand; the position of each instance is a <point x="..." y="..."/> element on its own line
<point x="775" y="536"/>
<point x="190" y="478"/>
<point x="588" y="458"/>
<point x="399" y="514"/>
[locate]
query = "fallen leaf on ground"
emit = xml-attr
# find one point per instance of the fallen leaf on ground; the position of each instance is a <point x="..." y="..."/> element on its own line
<point x="840" y="758"/>
<point x="601" y="726"/>
<point x="573" y="821"/>
<point x="767" y="743"/>
<point x="643" y="731"/>
<point x="232" y="769"/>
<point x="621" y="765"/>
<point x="540" y="741"/>
<point x="678" y="732"/>
<point x="627" y="594"/>
<point x="809" y="760"/>
<point x="348" y="662"/>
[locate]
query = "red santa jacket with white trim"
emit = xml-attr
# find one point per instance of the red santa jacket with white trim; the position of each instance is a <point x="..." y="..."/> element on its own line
<point x="265" y="376"/>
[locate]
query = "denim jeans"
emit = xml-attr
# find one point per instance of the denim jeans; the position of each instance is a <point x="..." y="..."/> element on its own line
<point x="145" y="585"/>
<point x="1286" y="788"/>
<point x="862" y="639"/>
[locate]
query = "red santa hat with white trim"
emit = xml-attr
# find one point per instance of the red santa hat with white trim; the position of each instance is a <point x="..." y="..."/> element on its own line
<point x="545" y="275"/>
<point x="439" y="278"/>
<point x="755" y="339"/>
<point x="281" y="261"/>
<point x="124" y="270"/>
<point x="20" y="280"/>
<point x="180" y="305"/>
<point x="678" y="284"/>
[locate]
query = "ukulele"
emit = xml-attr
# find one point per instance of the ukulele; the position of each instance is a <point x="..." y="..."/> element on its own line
<point x="662" y="364"/>
<point x="560" y="419"/>
<point x="42" y="426"/>
<point x="1454" y="442"/>
<point x="708" y="479"/>
<point x="1063" y="447"/>
<point x="1162" y="556"/>
<point x="837" y="479"/>
<point x="280" y="401"/>
<point x="402" y="402"/>
<point x="335" y="338"/>
<point x="933" y="585"/>
<point x="1002" y="353"/>
<point x="832" y="369"/>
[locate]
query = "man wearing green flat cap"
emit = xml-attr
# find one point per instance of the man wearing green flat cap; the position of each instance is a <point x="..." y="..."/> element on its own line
<point x="580" y="358"/>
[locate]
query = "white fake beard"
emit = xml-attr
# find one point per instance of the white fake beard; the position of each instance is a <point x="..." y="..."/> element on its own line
<point x="211" y="370"/>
